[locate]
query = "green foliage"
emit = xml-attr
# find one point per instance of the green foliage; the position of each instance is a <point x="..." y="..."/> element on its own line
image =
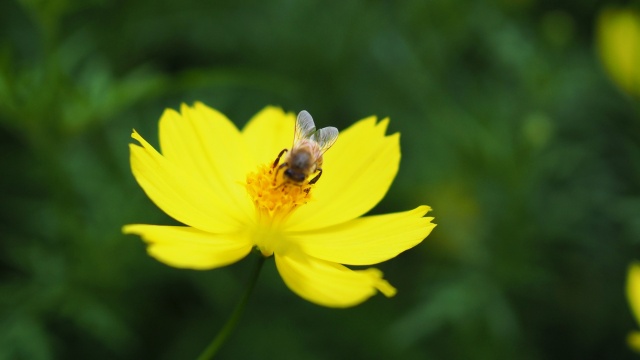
<point x="511" y="131"/>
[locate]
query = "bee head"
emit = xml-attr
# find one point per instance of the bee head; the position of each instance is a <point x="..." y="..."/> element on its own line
<point x="295" y="175"/>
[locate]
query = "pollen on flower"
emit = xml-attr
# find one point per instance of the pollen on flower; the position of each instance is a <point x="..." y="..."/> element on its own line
<point x="274" y="196"/>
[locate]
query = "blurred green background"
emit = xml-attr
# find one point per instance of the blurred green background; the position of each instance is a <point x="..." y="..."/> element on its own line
<point x="511" y="130"/>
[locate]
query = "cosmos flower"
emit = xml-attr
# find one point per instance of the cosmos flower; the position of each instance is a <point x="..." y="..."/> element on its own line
<point x="633" y="295"/>
<point x="221" y="184"/>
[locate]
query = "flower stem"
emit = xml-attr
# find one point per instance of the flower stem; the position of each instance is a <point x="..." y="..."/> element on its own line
<point x="231" y="323"/>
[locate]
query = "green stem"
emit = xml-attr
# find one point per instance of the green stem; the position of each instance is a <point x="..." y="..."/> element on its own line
<point x="226" y="330"/>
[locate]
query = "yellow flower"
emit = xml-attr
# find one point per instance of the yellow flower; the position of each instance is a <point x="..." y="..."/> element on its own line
<point x="220" y="182"/>
<point x="619" y="47"/>
<point x="633" y="294"/>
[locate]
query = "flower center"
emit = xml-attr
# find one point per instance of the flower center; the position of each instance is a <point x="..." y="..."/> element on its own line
<point x="275" y="198"/>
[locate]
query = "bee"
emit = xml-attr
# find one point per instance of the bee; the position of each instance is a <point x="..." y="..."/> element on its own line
<point x="305" y="156"/>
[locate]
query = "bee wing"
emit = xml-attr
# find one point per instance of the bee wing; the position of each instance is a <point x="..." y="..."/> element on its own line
<point x="305" y="127"/>
<point x="325" y="138"/>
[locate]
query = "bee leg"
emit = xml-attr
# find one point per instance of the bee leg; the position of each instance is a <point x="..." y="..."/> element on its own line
<point x="315" y="179"/>
<point x="284" y="164"/>
<point x="275" y="163"/>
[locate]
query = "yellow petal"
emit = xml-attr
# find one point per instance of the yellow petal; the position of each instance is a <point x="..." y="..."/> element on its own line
<point x="329" y="284"/>
<point x="185" y="247"/>
<point x="619" y="47"/>
<point x="357" y="172"/>
<point x="633" y="289"/>
<point x="208" y="146"/>
<point x="180" y="194"/>
<point x="633" y="339"/>
<point x="267" y="133"/>
<point x="367" y="240"/>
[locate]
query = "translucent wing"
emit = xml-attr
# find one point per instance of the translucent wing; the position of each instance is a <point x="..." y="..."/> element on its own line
<point x="325" y="137"/>
<point x="304" y="127"/>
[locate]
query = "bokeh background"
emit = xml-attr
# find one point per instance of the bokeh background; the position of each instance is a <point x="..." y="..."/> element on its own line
<point x="520" y="126"/>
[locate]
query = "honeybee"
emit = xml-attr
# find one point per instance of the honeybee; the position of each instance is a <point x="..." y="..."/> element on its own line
<point x="305" y="156"/>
